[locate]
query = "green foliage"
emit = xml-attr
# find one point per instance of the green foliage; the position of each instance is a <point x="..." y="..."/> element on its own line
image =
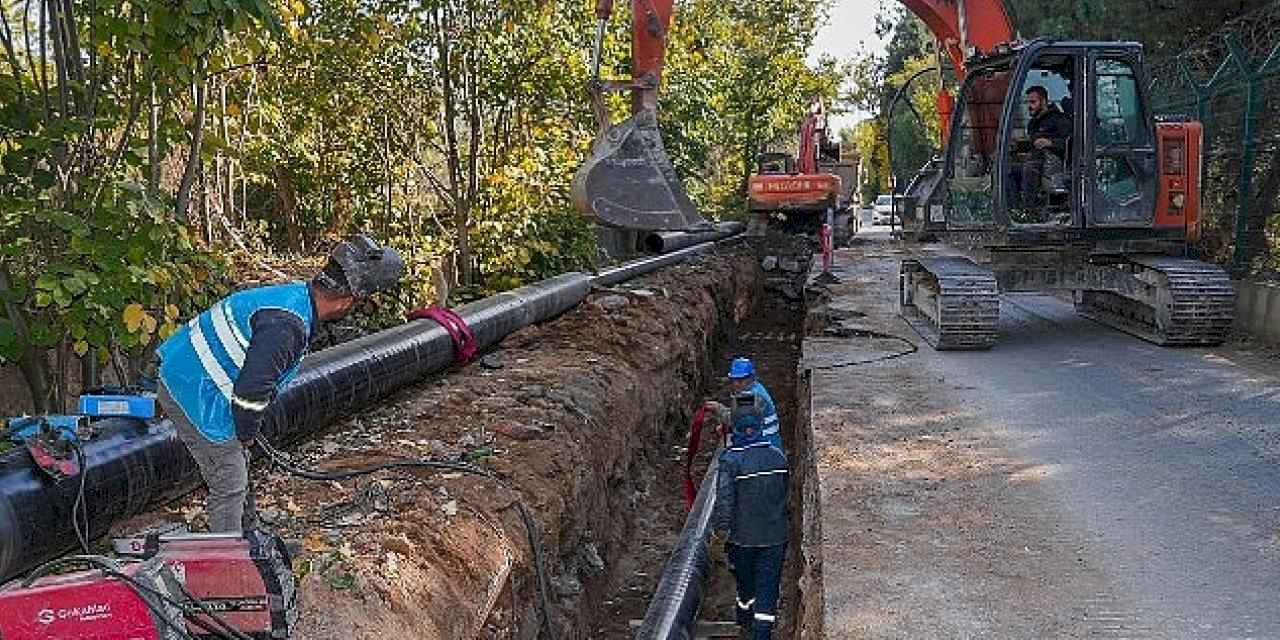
<point x="135" y="163"/>
<point x="91" y="258"/>
<point x="736" y="83"/>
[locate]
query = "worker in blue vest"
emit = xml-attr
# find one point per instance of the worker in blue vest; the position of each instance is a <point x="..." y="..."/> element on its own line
<point x="221" y="370"/>
<point x="742" y="379"/>
<point x="750" y="514"/>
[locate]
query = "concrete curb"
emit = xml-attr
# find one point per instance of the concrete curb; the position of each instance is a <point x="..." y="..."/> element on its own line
<point x="1258" y="310"/>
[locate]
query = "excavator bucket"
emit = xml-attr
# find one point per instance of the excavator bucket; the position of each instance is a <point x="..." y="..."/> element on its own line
<point x="629" y="182"/>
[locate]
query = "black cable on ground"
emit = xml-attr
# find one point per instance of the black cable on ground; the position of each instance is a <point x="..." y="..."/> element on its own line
<point x="869" y="333"/>
<point x="80" y="505"/>
<point x="284" y="462"/>
<point x="536" y="546"/>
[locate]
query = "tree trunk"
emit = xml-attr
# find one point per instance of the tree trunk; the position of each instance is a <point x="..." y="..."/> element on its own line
<point x="153" y="140"/>
<point x="33" y="362"/>
<point x="182" y="207"/>
<point x="461" y="205"/>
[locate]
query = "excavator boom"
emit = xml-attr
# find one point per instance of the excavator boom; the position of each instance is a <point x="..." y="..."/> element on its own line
<point x="628" y="181"/>
<point x="964" y="25"/>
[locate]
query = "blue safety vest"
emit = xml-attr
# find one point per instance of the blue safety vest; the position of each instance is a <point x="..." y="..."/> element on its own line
<point x="766" y="422"/>
<point x="200" y="362"/>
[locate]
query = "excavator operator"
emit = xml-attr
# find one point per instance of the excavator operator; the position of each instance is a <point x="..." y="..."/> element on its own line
<point x="1049" y="131"/>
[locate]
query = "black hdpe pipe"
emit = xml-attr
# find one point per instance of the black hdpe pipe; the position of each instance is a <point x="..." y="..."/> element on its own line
<point x="132" y="466"/>
<point x="667" y="241"/>
<point x="673" y="611"/>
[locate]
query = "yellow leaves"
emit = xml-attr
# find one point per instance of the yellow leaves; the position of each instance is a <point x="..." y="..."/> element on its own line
<point x="171" y="312"/>
<point x="81" y="347"/>
<point x="160" y="276"/>
<point x="133" y="317"/>
<point x="315" y="543"/>
<point x="233" y="109"/>
<point x="137" y="320"/>
<point x="167" y="329"/>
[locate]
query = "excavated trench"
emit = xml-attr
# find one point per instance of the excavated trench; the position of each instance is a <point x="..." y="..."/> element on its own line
<point x="583" y="421"/>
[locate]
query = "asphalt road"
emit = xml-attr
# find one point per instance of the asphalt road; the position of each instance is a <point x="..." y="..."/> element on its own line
<point x="1078" y="482"/>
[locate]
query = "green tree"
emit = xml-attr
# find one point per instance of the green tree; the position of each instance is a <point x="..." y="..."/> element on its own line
<point x="91" y="259"/>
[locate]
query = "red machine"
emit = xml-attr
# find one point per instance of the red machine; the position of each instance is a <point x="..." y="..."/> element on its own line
<point x="804" y="190"/>
<point x="206" y="586"/>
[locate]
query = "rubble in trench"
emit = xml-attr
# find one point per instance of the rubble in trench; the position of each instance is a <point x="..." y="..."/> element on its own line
<point x="568" y="414"/>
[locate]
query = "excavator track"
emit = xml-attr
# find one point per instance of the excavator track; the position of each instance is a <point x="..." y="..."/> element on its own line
<point x="952" y="302"/>
<point x="1195" y="304"/>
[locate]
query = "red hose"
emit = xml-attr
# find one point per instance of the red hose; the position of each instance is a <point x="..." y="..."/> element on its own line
<point x="695" y="440"/>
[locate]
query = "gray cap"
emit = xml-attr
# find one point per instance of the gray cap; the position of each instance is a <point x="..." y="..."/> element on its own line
<point x="360" y="266"/>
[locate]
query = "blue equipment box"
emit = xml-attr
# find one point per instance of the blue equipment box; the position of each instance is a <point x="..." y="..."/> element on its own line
<point x="118" y="406"/>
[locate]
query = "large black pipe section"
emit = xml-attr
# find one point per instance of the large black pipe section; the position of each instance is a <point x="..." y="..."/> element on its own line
<point x="353" y="375"/>
<point x="673" y="611"/>
<point x="668" y="241"/>
<point x="133" y="466"/>
<point x="636" y="268"/>
<point x="130" y="466"/>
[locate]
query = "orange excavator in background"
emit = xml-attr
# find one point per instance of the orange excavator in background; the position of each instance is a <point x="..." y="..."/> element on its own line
<point x="1109" y="218"/>
<point x="800" y="191"/>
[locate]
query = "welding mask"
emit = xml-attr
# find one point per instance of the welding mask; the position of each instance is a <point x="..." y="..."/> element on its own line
<point x="359" y="266"/>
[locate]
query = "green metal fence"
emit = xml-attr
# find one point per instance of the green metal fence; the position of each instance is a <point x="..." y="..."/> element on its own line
<point x="1230" y="81"/>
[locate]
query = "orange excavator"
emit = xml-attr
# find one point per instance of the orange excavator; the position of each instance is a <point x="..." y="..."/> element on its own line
<point x="1109" y="218"/>
<point x="1105" y="212"/>
<point x="804" y="188"/>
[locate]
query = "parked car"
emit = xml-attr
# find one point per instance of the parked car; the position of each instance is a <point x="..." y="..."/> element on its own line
<point x="882" y="210"/>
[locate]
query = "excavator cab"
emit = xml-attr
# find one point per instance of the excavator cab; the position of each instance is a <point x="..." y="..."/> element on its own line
<point x="1100" y="170"/>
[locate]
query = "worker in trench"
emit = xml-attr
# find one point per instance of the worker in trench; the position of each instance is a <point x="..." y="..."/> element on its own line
<point x="742" y="380"/>
<point x="219" y="373"/>
<point x="750" y="515"/>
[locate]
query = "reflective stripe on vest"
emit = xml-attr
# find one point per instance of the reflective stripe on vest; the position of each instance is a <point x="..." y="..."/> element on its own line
<point x="201" y="361"/>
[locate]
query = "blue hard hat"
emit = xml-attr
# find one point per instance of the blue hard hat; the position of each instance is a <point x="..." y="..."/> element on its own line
<point x="741" y="368"/>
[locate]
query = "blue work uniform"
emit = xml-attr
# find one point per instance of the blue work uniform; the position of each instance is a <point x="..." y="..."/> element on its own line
<point x="751" y="509"/>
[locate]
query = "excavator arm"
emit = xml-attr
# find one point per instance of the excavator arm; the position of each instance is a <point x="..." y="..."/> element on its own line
<point x="628" y="181"/>
<point x="964" y="26"/>
<point x="961" y="28"/>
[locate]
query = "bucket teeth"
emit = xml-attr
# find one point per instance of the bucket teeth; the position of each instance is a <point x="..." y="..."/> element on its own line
<point x="628" y="181"/>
